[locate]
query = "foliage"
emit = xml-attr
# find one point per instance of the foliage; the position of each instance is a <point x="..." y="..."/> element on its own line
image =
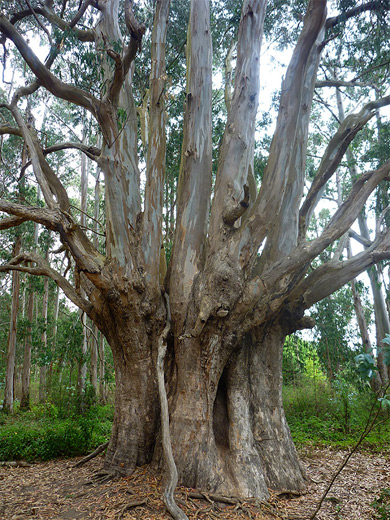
<point x="332" y="412"/>
<point x="333" y="416"/>
<point x="40" y="434"/>
<point x="382" y="505"/>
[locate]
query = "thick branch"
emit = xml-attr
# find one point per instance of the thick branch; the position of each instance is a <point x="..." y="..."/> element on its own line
<point x="343" y="17"/>
<point x="87" y="258"/>
<point x="10" y="222"/>
<point x="47" y="179"/>
<point x="330" y="276"/>
<point x="136" y="31"/>
<point x="287" y="163"/>
<point x="340" y="83"/>
<point x="5" y="129"/>
<point x="194" y="185"/>
<point x="43" y="268"/>
<point x="236" y="154"/>
<point x="333" y="155"/>
<point x="48" y="13"/>
<point x="57" y="87"/>
<point x="234" y="212"/>
<point x="258" y="289"/>
<point x="362" y="240"/>
<point x="49" y="218"/>
<point x="290" y="135"/>
<point x="155" y="162"/>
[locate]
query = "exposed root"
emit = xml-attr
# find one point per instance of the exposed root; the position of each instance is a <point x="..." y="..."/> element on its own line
<point x="91" y="456"/>
<point x="130" y="505"/>
<point x="172" y="477"/>
<point x="101" y="477"/>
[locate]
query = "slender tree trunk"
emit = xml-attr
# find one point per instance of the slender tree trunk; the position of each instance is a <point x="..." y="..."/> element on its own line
<point x="25" y="401"/>
<point x="95" y="336"/>
<point x="82" y="375"/>
<point x="43" y="368"/>
<point x="11" y="350"/>
<point x="102" y="386"/>
<point x="94" y="358"/>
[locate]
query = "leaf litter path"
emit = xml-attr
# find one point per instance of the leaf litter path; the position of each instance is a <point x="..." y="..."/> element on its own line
<point x="56" y="491"/>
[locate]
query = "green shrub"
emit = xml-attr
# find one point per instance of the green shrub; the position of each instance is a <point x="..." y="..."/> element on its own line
<point x="382" y="505"/>
<point x="39" y="435"/>
<point x="333" y="415"/>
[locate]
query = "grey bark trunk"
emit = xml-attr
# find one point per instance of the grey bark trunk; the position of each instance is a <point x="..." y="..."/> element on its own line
<point x="94" y="358"/>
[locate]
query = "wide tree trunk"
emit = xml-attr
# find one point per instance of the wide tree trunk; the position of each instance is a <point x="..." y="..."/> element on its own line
<point x="229" y="431"/>
<point x="133" y="436"/>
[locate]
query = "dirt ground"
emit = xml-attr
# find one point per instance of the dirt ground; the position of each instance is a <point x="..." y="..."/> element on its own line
<point x="56" y="490"/>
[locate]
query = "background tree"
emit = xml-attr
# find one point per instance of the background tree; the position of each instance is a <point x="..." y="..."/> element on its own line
<point x="242" y="270"/>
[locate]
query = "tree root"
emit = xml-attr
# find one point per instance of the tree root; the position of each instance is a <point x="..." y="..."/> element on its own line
<point x="172" y="477"/>
<point x="130" y="505"/>
<point x="92" y="455"/>
<point x="101" y="477"/>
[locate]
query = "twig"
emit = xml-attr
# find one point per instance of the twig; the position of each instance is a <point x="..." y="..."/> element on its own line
<point x="168" y="497"/>
<point x="15" y="464"/>
<point x="92" y="455"/>
<point x="371" y="422"/>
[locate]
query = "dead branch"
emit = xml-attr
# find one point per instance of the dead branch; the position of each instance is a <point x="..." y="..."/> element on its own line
<point x="15" y="464"/>
<point x="92" y="455"/>
<point x="233" y="213"/>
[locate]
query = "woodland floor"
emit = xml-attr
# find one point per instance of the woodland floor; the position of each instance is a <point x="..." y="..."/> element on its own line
<point x="55" y="490"/>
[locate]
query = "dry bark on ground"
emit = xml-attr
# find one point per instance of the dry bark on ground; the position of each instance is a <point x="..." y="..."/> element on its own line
<point x="55" y="490"/>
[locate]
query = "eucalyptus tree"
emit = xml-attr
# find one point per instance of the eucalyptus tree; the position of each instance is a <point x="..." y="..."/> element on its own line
<point x="240" y="275"/>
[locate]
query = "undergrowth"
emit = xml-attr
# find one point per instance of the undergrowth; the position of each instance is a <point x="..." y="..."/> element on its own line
<point x="43" y="434"/>
<point x="334" y="415"/>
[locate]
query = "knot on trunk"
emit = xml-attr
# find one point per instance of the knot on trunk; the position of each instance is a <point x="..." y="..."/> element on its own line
<point x="234" y="211"/>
